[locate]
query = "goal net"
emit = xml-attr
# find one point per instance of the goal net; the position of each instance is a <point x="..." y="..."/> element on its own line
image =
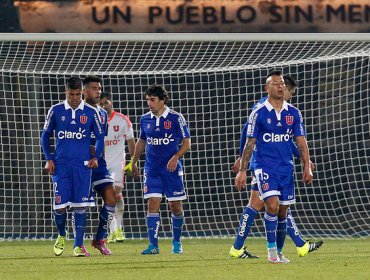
<point x="213" y="84"/>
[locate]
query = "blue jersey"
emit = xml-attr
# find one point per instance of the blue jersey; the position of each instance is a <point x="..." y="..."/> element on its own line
<point x="102" y="165"/>
<point x="73" y="128"/>
<point x="163" y="136"/>
<point x="274" y="132"/>
<point x="243" y="139"/>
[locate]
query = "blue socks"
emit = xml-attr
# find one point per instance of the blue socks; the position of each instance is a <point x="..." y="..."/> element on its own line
<point x="153" y="222"/>
<point x="79" y="223"/>
<point x="281" y="234"/>
<point x="60" y="221"/>
<point x="270" y="227"/>
<point x="177" y="222"/>
<point x="293" y="231"/>
<point x="245" y="224"/>
<point x="105" y="216"/>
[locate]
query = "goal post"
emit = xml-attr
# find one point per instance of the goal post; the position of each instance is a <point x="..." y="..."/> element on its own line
<point x="213" y="80"/>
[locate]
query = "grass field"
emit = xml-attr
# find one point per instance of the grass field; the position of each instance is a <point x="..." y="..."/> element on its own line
<point x="202" y="259"/>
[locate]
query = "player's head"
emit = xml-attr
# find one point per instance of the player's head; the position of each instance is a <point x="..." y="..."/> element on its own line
<point x="73" y="91"/>
<point x="156" y="97"/>
<point x="92" y="89"/>
<point x="105" y="102"/>
<point x="275" y="85"/>
<point x="291" y="85"/>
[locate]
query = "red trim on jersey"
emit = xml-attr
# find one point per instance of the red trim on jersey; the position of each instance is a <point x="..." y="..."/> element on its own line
<point x="124" y="117"/>
<point x="111" y="116"/>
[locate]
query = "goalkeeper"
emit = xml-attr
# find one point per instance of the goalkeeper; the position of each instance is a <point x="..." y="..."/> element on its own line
<point x="119" y="131"/>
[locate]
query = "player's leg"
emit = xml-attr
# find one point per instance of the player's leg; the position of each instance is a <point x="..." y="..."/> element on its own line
<point x="238" y="250"/>
<point x="303" y="247"/>
<point x="62" y="183"/>
<point x="175" y="193"/>
<point x="120" y="207"/>
<point x="153" y="189"/>
<point x="269" y="191"/>
<point x="105" y="216"/>
<point x="81" y="199"/>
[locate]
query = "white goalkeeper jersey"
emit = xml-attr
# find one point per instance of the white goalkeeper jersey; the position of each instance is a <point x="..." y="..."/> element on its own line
<point x="119" y="129"/>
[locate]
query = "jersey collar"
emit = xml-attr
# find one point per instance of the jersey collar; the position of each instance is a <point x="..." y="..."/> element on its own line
<point x="269" y="106"/>
<point x="164" y="115"/>
<point x="67" y="106"/>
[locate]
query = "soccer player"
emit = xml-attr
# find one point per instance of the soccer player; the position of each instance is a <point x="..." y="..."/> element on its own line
<point x="119" y="131"/>
<point x="73" y="121"/>
<point x="166" y="138"/>
<point x="255" y="204"/>
<point x="101" y="180"/>
<point x="270" y="127"/>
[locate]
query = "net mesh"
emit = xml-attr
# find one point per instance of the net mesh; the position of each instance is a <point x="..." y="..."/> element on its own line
<point x="213" y="85"/>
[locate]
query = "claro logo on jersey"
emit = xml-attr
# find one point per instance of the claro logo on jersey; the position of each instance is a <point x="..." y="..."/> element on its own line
<point x="112" y="142"/>
<point x="72" y="134"/>
<point x="277" y="138"/>
<point x="159" y="141"/>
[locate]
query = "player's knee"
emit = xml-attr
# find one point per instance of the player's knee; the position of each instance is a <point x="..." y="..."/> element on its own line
<point x="256" y="204"/>
<point x="175" y="207"/>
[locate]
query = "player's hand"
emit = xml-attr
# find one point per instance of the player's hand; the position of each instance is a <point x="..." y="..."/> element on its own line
<point x="307" y="175"/>
<point x="135" y="171"/>
<point x="172" y="163"/>
<point x="236" y="166"/>
<point x="241" y="180"/>
<point x="128" y="169"/>
<point x="312" y="166"/>
<point x="50" y="167"/>
<point x="93" y="163"/>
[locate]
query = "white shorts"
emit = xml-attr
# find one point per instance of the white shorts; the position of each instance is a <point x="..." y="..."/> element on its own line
<point x="117" y="174"/>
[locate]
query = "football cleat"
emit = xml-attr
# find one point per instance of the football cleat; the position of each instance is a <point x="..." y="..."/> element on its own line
<point x="282" y="258"/>
<point x="59" y="245"/>
<point x="111" y="238"/>
<point x="241" y="253"/>
<point x="80" y="251"/>
<point x="308" y="247"/>
<point x="176" y="247"/>
<point x="272" y="255"/>
<point x="151" y="250"/>
<point x="100" y="245"/>
<point x="119" y="234"/>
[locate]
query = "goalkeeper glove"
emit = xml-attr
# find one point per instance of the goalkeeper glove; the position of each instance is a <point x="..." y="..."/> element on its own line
<point x="128" y="169"/>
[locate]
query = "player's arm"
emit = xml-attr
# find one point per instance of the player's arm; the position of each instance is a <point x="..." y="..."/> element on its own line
<point x="172" y="163"/>
<point x="45" y="141"/>
<point x="297" y="155"/>
<point x="305" y="158"/>
<point x="99" y="141"/>
<point x="241" y="178"/>
<point x="139" y="149"/>
<point x="131" y="149"/>
<point x="235" y="168"/>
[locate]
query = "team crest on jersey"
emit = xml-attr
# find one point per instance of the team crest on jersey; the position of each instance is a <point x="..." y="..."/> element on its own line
<point x="289" y="120"/>
<point x="116" y="128"/>
<point x="268" y="120"/>
<point x="148" y="126"/>
<point x="167" y="124"/>
<point x="83" y="119"/>
<point x="265" y="186"/>
<point x="63" y="118"/>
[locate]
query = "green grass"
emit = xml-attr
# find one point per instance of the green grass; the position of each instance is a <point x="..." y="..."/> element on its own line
<point x="202" y="259"/>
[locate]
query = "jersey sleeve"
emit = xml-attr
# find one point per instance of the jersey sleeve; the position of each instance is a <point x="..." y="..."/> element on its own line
<point x="253" y="127"/>
<point x="298" y="125"/>
<point x="142" y="132"/>
<point x="295" y="150"/>
<point x="128" y="130"/>
<point x="243" y="138"/>
<point x="99" y="134"/>
<point x="49" y="125"/>
<point x="48" y="129"/>
<point x="183" y="128"/>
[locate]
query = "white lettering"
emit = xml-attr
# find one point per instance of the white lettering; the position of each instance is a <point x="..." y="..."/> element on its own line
<point x="272" y="137"/>
<point x="71" y="134"/>
<point x="243" y="225"/>
<point x="159" y="141"/>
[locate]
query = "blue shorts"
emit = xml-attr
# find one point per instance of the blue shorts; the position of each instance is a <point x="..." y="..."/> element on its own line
<point x="270" y="184"/>
<point x="165" y="183"/>
<point x="71" y="187"/>
<point x="100" y="179"/>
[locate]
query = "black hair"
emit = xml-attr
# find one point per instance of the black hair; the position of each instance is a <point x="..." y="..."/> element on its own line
<point x="159" y="91"/>
<point x="274" y="73"/>
<point x="74" y="83"/>
<point x="290" y="81"/>
<point x="105" y="95"/>
<point x="91" y="79"/>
